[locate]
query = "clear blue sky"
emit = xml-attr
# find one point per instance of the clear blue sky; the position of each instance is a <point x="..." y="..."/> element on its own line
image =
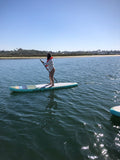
<point x="54" y="25"/>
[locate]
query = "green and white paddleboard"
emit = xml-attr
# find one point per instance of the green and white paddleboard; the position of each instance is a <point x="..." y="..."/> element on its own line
<point x="41" y="87"/>
<point x="115" y="111"/>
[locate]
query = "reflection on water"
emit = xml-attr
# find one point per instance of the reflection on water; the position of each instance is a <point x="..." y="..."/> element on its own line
<point x="115" y="121"/>
<point x="116" y="126"/>
<point x="51" y="103"/>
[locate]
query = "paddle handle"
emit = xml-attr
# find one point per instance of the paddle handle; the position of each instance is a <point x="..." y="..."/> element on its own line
<point x="44" y="65"/>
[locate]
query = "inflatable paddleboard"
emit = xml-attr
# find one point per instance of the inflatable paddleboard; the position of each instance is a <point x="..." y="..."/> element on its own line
<point x="41" y="87"/>
<point x="115" y="111"/>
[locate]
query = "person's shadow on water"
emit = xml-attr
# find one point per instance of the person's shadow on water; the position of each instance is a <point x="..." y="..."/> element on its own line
<point x="51" y="103"/>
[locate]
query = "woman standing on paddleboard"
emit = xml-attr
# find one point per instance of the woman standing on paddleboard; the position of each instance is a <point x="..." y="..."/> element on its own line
<point x="50" y="67"/>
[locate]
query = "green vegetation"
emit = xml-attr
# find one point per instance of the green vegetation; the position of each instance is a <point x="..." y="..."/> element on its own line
<point x="35" y="53"/>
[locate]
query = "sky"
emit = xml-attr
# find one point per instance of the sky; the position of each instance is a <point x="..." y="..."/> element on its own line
<point x="60" y="25"/>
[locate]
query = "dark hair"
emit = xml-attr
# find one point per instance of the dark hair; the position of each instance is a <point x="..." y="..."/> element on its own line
<point x="48" y="56"/>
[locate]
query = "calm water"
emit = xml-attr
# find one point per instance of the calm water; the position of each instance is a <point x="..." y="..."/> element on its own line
<point x="66" y="124"/>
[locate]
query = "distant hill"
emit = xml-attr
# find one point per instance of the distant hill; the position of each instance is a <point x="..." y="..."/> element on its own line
<point x="35" y="53"/>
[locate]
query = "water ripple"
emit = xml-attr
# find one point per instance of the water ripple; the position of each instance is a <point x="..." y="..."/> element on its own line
<point x="63" y="124"/>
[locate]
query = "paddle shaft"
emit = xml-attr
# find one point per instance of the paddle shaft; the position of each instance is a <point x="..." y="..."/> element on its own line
<point x="47" y="69"/>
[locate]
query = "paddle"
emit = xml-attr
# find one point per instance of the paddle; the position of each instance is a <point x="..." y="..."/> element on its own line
<point x="47" y="69"/>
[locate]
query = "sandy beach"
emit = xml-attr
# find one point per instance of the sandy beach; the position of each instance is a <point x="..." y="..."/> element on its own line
<point x="59" y="57"/>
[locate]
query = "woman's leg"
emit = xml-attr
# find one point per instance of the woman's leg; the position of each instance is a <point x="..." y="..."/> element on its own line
<point x="51" y="76"/>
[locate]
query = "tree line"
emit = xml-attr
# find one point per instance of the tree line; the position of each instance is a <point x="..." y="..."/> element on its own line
<point x="36" y="53"/>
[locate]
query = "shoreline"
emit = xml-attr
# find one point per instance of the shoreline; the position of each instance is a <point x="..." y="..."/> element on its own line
<point x="39" y="57"/>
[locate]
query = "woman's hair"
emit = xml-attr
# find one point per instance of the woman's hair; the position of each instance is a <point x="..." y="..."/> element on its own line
<point x="48" y="56"/>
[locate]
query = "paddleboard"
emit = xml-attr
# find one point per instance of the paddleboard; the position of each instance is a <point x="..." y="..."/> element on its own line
<point x="115" y="111"/>
<point x="41" y="87"/>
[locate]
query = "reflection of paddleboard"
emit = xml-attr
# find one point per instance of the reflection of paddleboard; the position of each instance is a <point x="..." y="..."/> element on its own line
<point x="41" y="87"/>
<point x="115" y="111"/>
